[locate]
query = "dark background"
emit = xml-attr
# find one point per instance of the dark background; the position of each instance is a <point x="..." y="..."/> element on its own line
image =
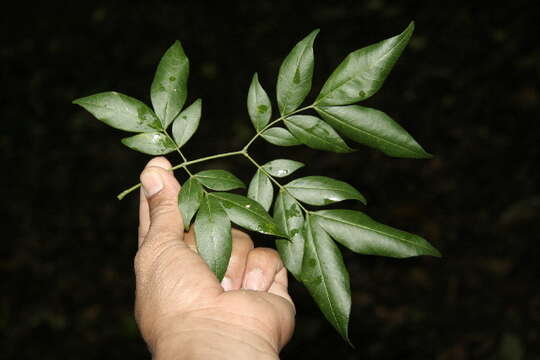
<point x="467" y="88"/>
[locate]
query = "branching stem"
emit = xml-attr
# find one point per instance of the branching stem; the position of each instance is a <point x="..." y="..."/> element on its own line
<point x="243" y="152"/>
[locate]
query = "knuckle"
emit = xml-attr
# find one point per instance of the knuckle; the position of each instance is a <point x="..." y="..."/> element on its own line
<point x="263" y="252"/>
<point x="242" y="242"/>
<point x="161" y="207"/>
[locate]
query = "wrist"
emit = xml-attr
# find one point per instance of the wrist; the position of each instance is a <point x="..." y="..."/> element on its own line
<point x="212" y="339"/>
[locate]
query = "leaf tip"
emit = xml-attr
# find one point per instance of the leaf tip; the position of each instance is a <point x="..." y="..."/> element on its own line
<point x="125" y="141"/>
<point x="434" y="252"/>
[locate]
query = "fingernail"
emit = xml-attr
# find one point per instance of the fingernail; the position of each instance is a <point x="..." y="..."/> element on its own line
<point x="152" y="182"/>
<point x="254" y="280"/>
<point x="226" y="283"/>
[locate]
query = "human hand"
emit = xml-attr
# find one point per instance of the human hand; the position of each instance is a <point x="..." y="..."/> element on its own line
<point x="183" y="312"/>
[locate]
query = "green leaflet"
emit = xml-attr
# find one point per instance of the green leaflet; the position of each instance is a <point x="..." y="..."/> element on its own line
<point x="280" y="137"/>
<point x="322" y="190"/>
<point x="295" y="74"/>
<point x="247" y="213"/>
<point x="219" y="180"/>
<point x="372" y="128"/>
<point x="305" y="245"/>
<point x="186" y="123"/>
<point x="120" y="111"/>
<point x="282" y="167"/>
<point x="288" y="216"/>
<point x="325" y="276"/>
<point x="258" y="104"/>
<point x="363" y="71"/>
<point x="260" y="189"/>
<point x="363" y="235"/>
<point x="189" y="200"/>
<point x="169" y="87"/>
<point x="154" y="143"/>
<point x="213" y="234"/>
<point x="316" y="134"/>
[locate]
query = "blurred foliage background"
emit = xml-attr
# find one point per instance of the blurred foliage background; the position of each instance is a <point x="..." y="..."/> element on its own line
<point x="467" y="88"/>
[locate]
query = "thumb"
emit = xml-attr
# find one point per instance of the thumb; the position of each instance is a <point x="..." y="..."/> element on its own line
<point x="161" y="191"/>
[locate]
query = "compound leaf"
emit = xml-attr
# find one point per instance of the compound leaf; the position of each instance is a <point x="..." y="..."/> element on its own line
<point x="186" y="123"/>
<point x="295" y="74"/>
<point x="213" y="234"/>
<point x="169" y="87"/>
<point x="258" y="104"/>
<point x="363" y="235"/>
<point x="152" y="143"/>
<point x="316" y="134"/>
<point x="322" y="190"/>
<point x="282" y="167"/>
<point x="189" y="200"/>
<point x="363" y="71"/>
<point x="372" y="128"/>
<point x="248" y="213"/>
<point x="260" y="189"/>
<point x="219" y="180"/>
<point x="288" y="216"/>
<point x="120" y="111"/>
<point x="325" y="276"/>
<point x="280" y="137"/>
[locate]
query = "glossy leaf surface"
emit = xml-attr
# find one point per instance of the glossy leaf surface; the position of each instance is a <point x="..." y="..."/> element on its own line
<point x="152" y="143"/>
<point x="120" y="111"/>
<point x="363" y="71"/>
<point x="186" y="123"/>
<point x="219" y="180"/>
<point x="247" y="213"/>
<point x="260" y="189"/>
<point x="325" y="276"/>
<point x="316" y="134"/>
<point x="280" y="137"/>
<point x="169" y="87"/>
<point x="295" y="75"/>
<point x="322" y="190"/>
<point x="282" y="167"/>
<point x="258" y="104"/>
<point x="372" y="128"/>
<point x="363" y="235"/>
<point x="288" y="216"/>
<point x="189" y="200"/>
<point x="213" y="234"/>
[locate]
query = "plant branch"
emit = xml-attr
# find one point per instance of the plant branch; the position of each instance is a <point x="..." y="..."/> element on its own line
<point x="283" y="117"/>
<point x="184" y="159"/>
<point x="247" y="156"/>
<point x="243" y="152"/>
<point x="182" y="165"/>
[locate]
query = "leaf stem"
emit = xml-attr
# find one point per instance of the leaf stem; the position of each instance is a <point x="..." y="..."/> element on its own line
<point x="182" y="165"/>
<point x="283" y="117"/>
<point x="281" y="187"/>
<point x="184" y="159"/>
<point x="243" y="152"/>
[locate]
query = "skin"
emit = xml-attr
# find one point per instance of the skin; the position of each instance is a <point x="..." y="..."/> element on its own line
<point x="182" y="310"/>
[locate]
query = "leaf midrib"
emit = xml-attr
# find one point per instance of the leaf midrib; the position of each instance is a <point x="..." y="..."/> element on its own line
<point x="339" y="146"/>
<point x="369" y="66"/>
<point x="323" y="277"/>
<point x="308" y="188"/>
<point x="368" y="133"/>
<point x="370" y="229"/>
<point x="259" y="216"/>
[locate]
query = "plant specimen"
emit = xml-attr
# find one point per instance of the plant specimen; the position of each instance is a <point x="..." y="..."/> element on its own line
<point x="305" y="232"/>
